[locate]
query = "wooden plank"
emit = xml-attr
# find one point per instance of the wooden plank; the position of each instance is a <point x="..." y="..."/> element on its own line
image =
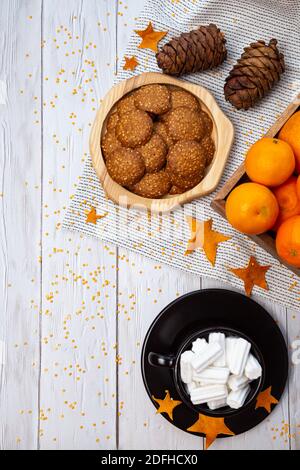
<point x="78" y="372"/>
<point x="267" y="435"/>
<point x="145" y="288"/>
<point x="294" y="378"/>
<point x="20" y="200"/>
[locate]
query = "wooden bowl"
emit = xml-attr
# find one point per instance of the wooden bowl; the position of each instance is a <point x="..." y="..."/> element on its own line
<point x="222" y="134"/>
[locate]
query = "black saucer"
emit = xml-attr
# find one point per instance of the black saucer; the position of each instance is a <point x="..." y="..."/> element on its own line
<point x="206" y="309"/>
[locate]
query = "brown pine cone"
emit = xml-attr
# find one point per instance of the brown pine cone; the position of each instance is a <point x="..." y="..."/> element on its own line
<point x="201" y="49"/>
<point x="254" y="74"/>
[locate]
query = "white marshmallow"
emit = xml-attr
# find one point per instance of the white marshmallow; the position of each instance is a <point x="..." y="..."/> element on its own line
<point x="237" y="398"/>
<point x="235" y="382"/>
<point x="212" y="375"/>
<point x="229" y="347"/>
<point x="190" y="386"/>
<point x="199" y="345"/>
<point x="218" y="338"/>
<point x="207" y="383"/>
<point x="207" y="357"/>
<point x="186" y="371"/>
<point x="239" y="356"/>
<point x="253" y="368"/>
<point x="215" y="404"/>
<point x="211" y="392"/>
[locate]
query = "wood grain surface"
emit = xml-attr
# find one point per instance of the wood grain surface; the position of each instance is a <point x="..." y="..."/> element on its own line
<point x="75" y="311"/>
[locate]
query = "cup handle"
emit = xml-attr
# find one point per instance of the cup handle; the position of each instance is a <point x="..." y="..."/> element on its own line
<point x="159" y="360"/>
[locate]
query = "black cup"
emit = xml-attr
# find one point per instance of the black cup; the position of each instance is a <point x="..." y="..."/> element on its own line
<point x="173" y="363"/>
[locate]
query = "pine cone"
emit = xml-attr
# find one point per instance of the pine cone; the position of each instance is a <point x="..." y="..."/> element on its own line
<point x="201" y="49"/>
<point x="254" y="74"/>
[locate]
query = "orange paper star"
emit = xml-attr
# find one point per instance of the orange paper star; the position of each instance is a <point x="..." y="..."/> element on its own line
<point x="203" y="236"/>
<point x="265" y="400"/>
<point x="253" y="275"/>
<point x="211" y="427"/>
<point x="167" y="405"/>
<point x="92" y="216"/>
<point x="130" y="63"/>
<point x="150" y="38"/>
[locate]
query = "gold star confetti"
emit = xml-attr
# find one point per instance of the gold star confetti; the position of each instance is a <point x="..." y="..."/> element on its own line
<point x="265" y="400"/>
<point x="203" y="236"/>
<point x="130" y="63"/>
<point x="252" y="275"/>
<point x="150" y="38"/>
<point x="92" y="216"/>
<point x="166" y="405"/>
<point x="211" y="427"/>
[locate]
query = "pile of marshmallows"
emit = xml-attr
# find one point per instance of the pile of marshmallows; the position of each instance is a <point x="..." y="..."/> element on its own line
<point x="218" y="372"/>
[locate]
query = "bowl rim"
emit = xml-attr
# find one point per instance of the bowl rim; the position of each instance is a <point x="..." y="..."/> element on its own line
<point x="125" y="198"/>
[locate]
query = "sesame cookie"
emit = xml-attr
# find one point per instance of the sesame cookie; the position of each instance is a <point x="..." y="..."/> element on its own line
<point x="161" y="129"/>
<point x="126" y="104"/>
<point x="110" y="143"/>
<point x="185" y="124"/>
<point x="181" y="98"/>
<point x="175" y="190"/>
<point x="154" y="153"/>
<point x="112" y="121"/>
<point x="134" y="128"/>
<point x="208" y="124"/>
<point x="125" y="166"/>
<point x="153" y="185"/>
<point x="153" y="99"/>
<point x="187" y="159"/>
<point x="184" y="184"/>
<point x="209" y="148"/>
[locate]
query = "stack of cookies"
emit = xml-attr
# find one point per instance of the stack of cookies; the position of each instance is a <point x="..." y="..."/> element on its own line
<point x="158" y="141"/>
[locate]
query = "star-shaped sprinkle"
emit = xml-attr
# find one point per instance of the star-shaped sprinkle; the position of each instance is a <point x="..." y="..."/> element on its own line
<point x="150" y="38"/>
<point x="203" y="236"/>
<point x="130" y="63"/>
<point x="253" y="275"/>
<point x="92" y="216"/>
<point x="265" y="400"/>
<point x="211" y="427"/>
<point x="166" y="405"/>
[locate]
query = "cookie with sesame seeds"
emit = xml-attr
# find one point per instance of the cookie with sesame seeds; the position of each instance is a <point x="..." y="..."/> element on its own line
<point x="185" y="124"/>
<point x="154" y="153"/>
<point x="161" y="129"/>
<point x="187" y="159"/>
<point x="184" y="184"/>
<point x="134" y="128"/>
<point x="175" y="190"/>
<point x="208" y="123"/>
<point x="154" y="98"/>
<point x="125" y="166"/>
<point x="126" y="104"/>
<point x="153" y="185"/>
<point x="209" y="148"/>
<point x="181" y="98"/>
<point x="112" y="121"/>
<point x="110" y="143"/>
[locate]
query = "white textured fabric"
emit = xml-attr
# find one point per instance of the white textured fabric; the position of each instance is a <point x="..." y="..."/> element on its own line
<point x="164" y="238"/>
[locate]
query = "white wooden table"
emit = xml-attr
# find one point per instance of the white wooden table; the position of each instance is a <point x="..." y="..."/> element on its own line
<point x="73" y="311"/>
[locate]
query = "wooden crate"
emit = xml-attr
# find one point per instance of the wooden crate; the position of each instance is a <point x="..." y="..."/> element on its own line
<point x="266" y="240"/>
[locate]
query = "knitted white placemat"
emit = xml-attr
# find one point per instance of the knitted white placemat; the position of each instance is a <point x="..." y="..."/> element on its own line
<point x="164" y="237"/>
